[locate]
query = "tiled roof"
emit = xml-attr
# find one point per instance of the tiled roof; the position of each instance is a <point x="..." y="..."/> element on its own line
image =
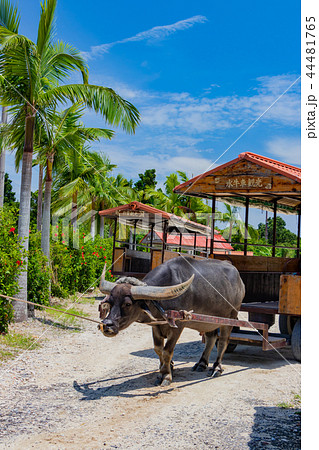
<point x="277" y="166"/>
<point x="280" y="167"/>
<point x="188" y="240"/>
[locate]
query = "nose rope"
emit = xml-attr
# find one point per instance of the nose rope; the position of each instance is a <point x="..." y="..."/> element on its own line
<point x="50" y="307"/>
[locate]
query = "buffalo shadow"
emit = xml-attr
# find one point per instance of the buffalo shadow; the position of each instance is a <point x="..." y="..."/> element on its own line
<point x="186" y="354"/>
<point x="276" y="427"/>
<point x="247" y="356"/>
<point x="138" y="384"/>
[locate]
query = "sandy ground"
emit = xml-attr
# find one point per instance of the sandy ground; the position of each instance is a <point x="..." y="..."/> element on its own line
<point x="81" y="390"/>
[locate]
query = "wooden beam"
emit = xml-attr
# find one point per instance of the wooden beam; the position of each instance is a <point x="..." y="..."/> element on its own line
<point x="114" y="239"/>
<point x="274" y="229"/>
<point x="164" y="239"/>
<point x="152" y="232"/>
<point x="298" y="236"/>
<point x="246" y="225"/>
<point x="212" y="235"/>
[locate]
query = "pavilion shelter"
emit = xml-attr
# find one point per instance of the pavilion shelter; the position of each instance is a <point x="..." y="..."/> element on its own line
<point x="135" y="256"/>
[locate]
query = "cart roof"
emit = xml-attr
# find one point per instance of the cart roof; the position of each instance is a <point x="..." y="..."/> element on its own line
<point x="261" y="179"/>
<point x="145" y="215"/>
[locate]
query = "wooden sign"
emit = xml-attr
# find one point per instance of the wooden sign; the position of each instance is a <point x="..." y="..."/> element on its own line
<point x="242" y="182"/>
<point x="130" y="214"/>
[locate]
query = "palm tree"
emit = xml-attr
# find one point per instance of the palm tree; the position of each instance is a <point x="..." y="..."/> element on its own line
<point x="110" y="191"/>
<point x="188" y="207"/>
<point x="30" y="74"/>
<point x="73" y="184"/>
<point x="231" y="216"/>
<point x="98" y="181"/>
<point x="63" y="132"/>
<point x="11" y="21"/>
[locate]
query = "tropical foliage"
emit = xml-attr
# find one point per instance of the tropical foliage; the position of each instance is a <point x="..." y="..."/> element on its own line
<point x="31" y="77"/>
<point x="60" y="247"/>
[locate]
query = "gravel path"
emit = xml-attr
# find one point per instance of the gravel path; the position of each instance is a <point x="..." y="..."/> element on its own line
<point x="81" y="390"/>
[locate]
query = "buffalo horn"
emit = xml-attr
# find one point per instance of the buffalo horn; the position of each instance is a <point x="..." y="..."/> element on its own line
<point x="160" y="292"/>
<point x="105" y="286"/>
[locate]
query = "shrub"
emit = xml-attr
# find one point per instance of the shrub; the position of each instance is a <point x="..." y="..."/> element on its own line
<point x="76" y="270"/>
<point x="11" y="256"/>
<point x="38" y="272"/>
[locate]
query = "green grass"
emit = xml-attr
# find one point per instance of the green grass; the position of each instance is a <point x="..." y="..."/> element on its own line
<point x="12" y="343"/>
<point x="294" y="403"/>
<point x="87" y="300"/>
<point x="66" y="320"/>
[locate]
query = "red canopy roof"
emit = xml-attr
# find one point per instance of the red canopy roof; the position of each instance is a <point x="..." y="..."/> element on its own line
<point x="284" y="169"/>
<point x="188" y="240"/>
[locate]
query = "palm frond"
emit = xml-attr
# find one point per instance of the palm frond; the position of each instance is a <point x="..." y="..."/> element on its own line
<point x="9" y="16"/>
<point x="46" y="25"/>
<point x="114" y="109"/>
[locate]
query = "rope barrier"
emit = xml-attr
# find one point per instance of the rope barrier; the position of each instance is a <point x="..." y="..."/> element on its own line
<point x="49" y="307"/>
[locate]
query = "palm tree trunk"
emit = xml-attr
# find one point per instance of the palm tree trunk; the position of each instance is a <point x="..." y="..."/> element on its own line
<point x="20" y="309"/>
<point x="74" y="212"/>
<point x="230" y="230"/>
<point x="46" y="220"/>
<point x="93" y="219"/>
<point x="102" y="222"/>
<point x="40" y="196"/>
<point x="2" y="161"/>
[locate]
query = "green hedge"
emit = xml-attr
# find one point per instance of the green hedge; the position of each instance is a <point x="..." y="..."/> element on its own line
<point x="10" y="263"/>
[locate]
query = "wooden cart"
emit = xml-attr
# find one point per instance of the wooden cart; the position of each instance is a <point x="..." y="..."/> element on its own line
<point x="273" y="284"/>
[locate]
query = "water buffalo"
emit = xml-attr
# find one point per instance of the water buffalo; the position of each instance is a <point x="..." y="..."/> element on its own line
<point x="209" y="286"/>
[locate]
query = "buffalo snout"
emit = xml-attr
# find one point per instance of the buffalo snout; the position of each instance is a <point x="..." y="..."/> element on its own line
<point x="109" y="328"/>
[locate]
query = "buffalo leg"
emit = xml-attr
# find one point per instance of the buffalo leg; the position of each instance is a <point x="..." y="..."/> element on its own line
<point x="210" y="339"/>
<point x="224" y="334"/>
<point x="165" y="378"/>
<point x="158" y="341"/>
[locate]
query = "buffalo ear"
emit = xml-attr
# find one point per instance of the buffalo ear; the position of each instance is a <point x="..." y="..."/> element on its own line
<point x="104" y="308"/>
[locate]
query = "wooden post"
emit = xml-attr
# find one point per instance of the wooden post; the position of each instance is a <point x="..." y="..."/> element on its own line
<point x="206" y="237"/>
<point x="134" y="236"/>
<point x="274" y="229"/>
<point x="114" y="238"/>
<point x="298" y="235"/>
<point x="195" y="235"/>
<point x="246" y="226"/>
<point x="152" y="231"/>
<point x="164" y="239"/>
<point x="213" y="225"/>
<point x="180" y="241"/>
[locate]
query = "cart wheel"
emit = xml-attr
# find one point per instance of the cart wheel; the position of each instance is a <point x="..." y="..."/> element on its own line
<point x="287" y="323"/>
<point x="296" y="341"/>
<point x="284" y="324"/>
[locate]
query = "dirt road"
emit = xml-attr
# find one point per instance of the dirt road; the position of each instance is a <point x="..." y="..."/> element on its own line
<point x="81" y="390"/>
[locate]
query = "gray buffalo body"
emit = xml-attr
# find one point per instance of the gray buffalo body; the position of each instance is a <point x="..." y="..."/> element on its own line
<point x="216" y="290"/>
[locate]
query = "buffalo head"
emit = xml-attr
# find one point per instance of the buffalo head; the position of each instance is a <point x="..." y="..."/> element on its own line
<point x="126" y="301"/>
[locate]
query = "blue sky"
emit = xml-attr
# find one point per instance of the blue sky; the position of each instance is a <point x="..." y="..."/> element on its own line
<point x="200" y="74"/>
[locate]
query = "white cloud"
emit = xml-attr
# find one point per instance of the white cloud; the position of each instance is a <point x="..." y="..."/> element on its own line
<point x="286" y="149"/>
<point x="205" y="114"/>
<point x="154" y="34"/>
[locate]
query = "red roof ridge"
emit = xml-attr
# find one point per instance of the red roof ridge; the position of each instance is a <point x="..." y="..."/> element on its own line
<point x="281" y="167"/>
<point x="266" y="159"/>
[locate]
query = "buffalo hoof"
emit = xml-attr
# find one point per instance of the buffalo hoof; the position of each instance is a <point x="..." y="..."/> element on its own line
<point x="166" y="382"/>
<point x="160" y="381"/>
<point x="199" y="367"/>
<point x="215" y="371"/>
